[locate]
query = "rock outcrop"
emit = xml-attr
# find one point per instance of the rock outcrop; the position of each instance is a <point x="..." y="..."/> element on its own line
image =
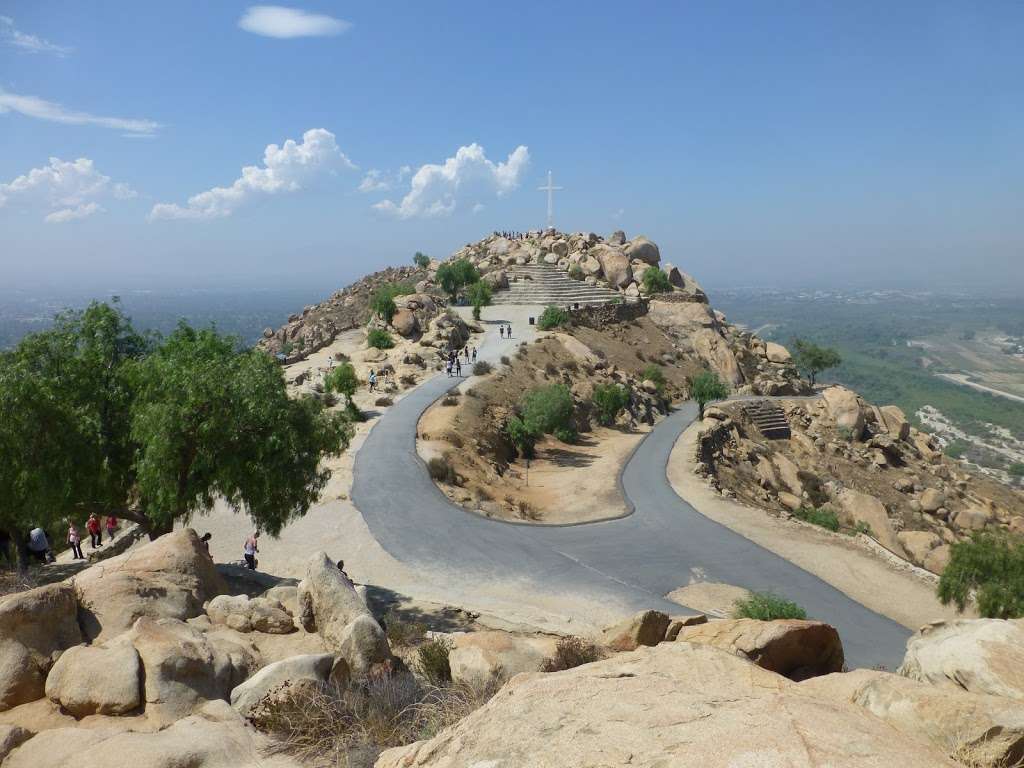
<point x="244" y="614"/>
<point x="97" y="679"/>
<point x="289" y="674"/>
<point x="675" y="704"/>
<point x="481" y="658"/>
<point x="645" y="628"/>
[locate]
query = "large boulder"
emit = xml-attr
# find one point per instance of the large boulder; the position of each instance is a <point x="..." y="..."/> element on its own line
<point x="918" y="545"/>
<point x="312" y="669"/>
<point x="976" y="655"/>
<point x="844" y="407"/>
<point x="674" y="705"/>
<point x="644" y="628"/>
<point x="590" y="266"/>
<point x="642" y="249"/>
<point x="932" y="500"/>
<point x="795" y="648"/>
<point x="618" y="237"/>
<point x="685" y="284"/>
<point x="680" y="317"/>
<point x="715" y="351"/>
<point x="244" y="614"/>
<point x="479" y="658"/>
<point x="183" y="668"/>
<point x="405" y="323"/>
<point x="776" y="353"/>
<point x="895" y="422"/>
<point x="171" y="577"/>
<point x="859" y="507"/>
<point x="97" y="679"/>
<point x="35" y="626"/>
<point x="329" y="604"/>
<point x="11" y="737"/>
<point x="615" y="266"/>
<point x="987" y="728"/>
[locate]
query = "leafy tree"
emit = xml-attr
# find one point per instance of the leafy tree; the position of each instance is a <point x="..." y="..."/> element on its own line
<point x="656" y="281"/>
<point x="382" y="304"/>
<point x="547" y="410"/>
<point x="654" y="373"/>
<point x="479" y="295"/>
<point x="344" y="381"/>
<point x="453" y="276"/>
<point x="421" y="260"/>
<point x="379" y="338"/>
<point x="552" y="317"/>
<point x="521" y="437"/>
<point x="705" y="387"/>
<point x="991" y="566"/>
<point x="608" y="400"/>
<point x="812" y="359"/>
<point x="212" y="420"/>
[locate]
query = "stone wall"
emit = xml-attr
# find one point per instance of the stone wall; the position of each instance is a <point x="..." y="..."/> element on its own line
<point x="602" y="315"/>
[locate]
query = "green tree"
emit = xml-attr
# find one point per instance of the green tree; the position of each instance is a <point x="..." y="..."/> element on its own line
<point x="656" y="281"/>
<point x="812" y="359"/>
<point x="479" y="295"/>
<point x="212" y="420"/>
<point x="379" y="338"/>
<point x="344" y="381"/>
<point x="991" y="567"/>
<point x="552" y="317"/>
<point x="608" y="400"/>
<point x="549" y="410"/>
<point x="421" y="260"/>
<point x="382" y="304"/>
<point x="521" y="437"/>
<point x="705" y="387"/>
<point x="453" y="276"/>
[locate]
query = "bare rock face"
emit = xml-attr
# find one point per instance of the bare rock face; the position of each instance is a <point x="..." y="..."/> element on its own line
<point x="776" y="353"/>
<point x="307" y="669"/>
<point x="35" y="626"/>
<point x="405" y="323"/>
<point x="168" y="578"/>
<point x="644" y="250"/>
<point x="258" y="614"/>
<point x="714" y="350"/>
<point x="328" y="604"/>
<point x="895" y="422"/>
<point x="685" y="284"/>
<point x="674" y="705"/>
<point x="11" y="737"/>
<point x="97" y="680"/>
<point x="858" y="507"/>
<point x="844" y="407"/>
<point x="794" y="648"/>
<point x="682" y="317"/>
<point x="618" y="237"/>
<point x="989" y="729"/>
<point x="918" y="545"/>
<point x="615" y="266"/>
<point x="932" y="500"/>
<point x="976" y="655"/>
<point x="477" y="658"/>
<point x="645" y="628"/>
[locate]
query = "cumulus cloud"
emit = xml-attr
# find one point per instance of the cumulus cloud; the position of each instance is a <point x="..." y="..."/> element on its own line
<point x="71" y="189"/>
<point x="437" y="189"/>
<point x="33" y="106"/>
<point x="374" y="181"/>
<point x="285" y="23"/>
<point x="285" y="169"/>
<point x="12" y="36"/>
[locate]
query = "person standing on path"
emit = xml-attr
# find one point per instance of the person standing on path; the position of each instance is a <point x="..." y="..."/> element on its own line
<point x="75" y="541"/>
<point x="250" y="549"/>
<point x="474" y="354"/>
<point x="501" y="331"/>
<point x="111" y="527"/>
<point x="372" y="380"/>
<point x="508" y="330"/>
<point x="448" y="368"/>
<point x="458" y="367"/>
<point x="95" y="534"/>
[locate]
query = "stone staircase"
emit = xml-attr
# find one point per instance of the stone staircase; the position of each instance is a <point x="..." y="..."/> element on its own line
<point x="769" y="418"/>
<point x="544" y="284"/>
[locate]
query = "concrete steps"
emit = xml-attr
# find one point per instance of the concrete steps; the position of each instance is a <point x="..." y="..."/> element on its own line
<point x="545" y="284"/>
<point x="769" y="418"/>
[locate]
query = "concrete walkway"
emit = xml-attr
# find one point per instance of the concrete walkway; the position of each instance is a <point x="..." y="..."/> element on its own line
<point x="629" y="563"/>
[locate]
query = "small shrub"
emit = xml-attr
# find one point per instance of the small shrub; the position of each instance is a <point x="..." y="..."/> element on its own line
<point x="550" y="369"/>
<point x="379" y="338"/>
<point x="383" y="401"/>
<point x="576" y="272"/>
<point x="407" y="380"/>
<point x="571" y="652"/>
<point x="441" y="471"/>
<point x="1016" y="469"/>
<point x="527" y="512"/>
<point x="845" y="434"/>
<point x="455" y="439"/>
<point x="608" y="400"/>
<point x="956" y="448"/>
<point x="450" y="401"/>
<point x="566" y="434"/>
<point x="656" y="281"/>
<point x="826" y="518"/>
<point x="570" y="365"/>
<point x="991" y="567"/>
<point x="655" y="374"/>
<point x="552" y="317"/>
<point x="764" y="606"/>
<point x="329" y="399"/>
<point x="403" y="633"/>
<point x="482" y="368"/>
<point x="505" y="360"/>
<point x="432" y="661"/>
<point x="862" y="527"/>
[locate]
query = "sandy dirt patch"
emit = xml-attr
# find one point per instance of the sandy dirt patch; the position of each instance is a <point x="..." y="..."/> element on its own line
<point x="710" y="597"/>
<point x="891" y="587"/>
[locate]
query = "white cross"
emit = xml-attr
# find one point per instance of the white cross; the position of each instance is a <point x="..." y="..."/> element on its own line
<point x="550" y="189"/>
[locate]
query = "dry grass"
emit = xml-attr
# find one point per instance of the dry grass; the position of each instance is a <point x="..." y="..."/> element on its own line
<point x="330" y="727"/>
<point x="975" y="755"/>
<point x="12" y="581"/>
<point x="571" y="652"/>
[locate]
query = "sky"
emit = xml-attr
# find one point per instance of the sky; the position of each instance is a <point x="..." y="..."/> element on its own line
<point x="777" y="143"/>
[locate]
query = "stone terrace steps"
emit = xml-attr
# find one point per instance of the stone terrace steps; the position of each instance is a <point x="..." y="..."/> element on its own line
<point x="544" y="284"/>
<point x="769" y="418"/>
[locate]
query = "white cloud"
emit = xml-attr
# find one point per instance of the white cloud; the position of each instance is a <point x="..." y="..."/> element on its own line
<point x="374" y="181"/>
<point x="285" y="169"/>
<point x="478" y="207"/>
<point x="436" y="190"/>
<point x="70" y="189"/>
<point x="618" y="214"/>
<point x="284" y="23"/>
<point x="30" y="43"/>
<point x="33" y="106"/>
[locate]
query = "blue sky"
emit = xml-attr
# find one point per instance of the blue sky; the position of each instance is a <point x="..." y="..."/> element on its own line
<point x="774" y="142"/>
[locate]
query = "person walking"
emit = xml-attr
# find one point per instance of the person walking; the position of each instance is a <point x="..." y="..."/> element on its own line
<point x="250" y="549"/>
<point x="95" y="535"/>
<point x="372" y="380"/>
<point x="205" y="541"/>
<point x="448" y="368"/>
<point x="111" y="527"/>
<point x="458" y="367"/>
<point x="75" y="541"/>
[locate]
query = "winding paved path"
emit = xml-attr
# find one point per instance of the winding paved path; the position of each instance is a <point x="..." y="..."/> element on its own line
<point x="635" y="560"/>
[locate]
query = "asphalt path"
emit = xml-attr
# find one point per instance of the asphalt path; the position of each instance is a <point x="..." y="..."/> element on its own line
<point x="633" y="561"/>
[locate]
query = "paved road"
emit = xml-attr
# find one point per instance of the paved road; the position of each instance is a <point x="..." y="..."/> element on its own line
<point x="633" y="561"/>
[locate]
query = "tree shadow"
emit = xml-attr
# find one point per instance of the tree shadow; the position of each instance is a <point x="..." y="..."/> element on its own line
<point x="384" y="602"/>
<point x="565" y="458"/>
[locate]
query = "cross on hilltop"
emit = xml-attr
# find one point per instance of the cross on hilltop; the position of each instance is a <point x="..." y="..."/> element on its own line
<point x="550" y="188"/>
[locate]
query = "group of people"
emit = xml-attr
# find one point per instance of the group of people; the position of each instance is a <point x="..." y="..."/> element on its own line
<point x="95" y="529"/>
<point x="511" y="235"/>
<point x="375" y="382"/>
<point x="505" y="330"/>
<point x="454" y="363"/>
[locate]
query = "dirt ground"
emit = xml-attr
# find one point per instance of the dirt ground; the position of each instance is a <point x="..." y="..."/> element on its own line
<point x="889" y="586"/>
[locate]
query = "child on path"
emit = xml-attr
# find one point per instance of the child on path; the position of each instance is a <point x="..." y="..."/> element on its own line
<point x="93" y="526"/>
<point x="76" y="542"/>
